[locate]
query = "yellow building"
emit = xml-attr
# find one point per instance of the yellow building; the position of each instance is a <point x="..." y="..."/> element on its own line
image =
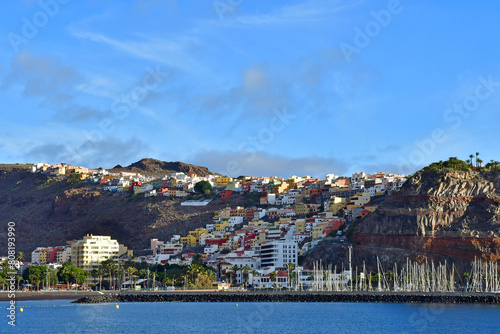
<point x="358" y="200"/>
<point x="317" y="231"/>
<point x="257" y="223"/>
<point x="222" y="181"/>
<point x="198" y="233"/>
<point x="284" y="220"/>
<point x="221" y="226"/>
<point x="39" y="255"/>
<point x="300" y="226"/>
<point x="189" y="240"/>
<point x="335" y="204"/>
<point x="202" y="236"/>
<point x="301" y="209"/>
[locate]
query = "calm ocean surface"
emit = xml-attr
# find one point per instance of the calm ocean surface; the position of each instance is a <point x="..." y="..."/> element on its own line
<point x="60" y="316"/>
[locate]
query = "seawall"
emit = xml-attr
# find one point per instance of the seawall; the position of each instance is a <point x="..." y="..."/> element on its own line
<point x="315" y="297"/>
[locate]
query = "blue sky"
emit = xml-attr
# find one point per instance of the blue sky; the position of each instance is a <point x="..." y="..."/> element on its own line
<point x="250" y="87"/>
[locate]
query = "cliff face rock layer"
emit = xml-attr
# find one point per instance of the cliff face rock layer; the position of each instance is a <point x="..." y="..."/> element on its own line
<point x="439" y="215"/>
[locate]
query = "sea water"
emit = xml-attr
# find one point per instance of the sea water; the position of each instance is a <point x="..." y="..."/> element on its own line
<point x="61" y="316"/>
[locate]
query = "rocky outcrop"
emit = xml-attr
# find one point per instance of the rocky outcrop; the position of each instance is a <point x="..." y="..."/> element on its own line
<point x="156" y="167"/>
<point x="446" y="214"/>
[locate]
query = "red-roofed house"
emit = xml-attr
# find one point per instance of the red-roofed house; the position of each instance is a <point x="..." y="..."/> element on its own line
<point x="268" y="281"/>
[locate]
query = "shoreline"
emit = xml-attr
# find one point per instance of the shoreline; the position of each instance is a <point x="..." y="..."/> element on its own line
<point x="49" y="295"/>
<point x="298" y="296"/>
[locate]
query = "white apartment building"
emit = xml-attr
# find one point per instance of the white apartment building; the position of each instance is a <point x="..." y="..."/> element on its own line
<point x="64" y="255"/>
<point x="89" y="252"/>
<point x="278" y="253"/>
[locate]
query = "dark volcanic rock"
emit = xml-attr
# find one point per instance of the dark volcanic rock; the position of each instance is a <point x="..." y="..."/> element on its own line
<point x="315" y="297"/>
<point x="155" y="167"/>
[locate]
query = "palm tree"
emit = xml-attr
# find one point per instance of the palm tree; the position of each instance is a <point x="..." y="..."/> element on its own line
<point x="234" y="269"/>
<point x="120" y="273"/>
<point x="290" y="267"/>
<point x="66" y="273"/>
<point x="19" y="278"/>
<point x="100" y="273"/>
<point x="51" y="276"/>
<point x="109" y="266"/>
<point x="94" y="273"/>
<point x="291" y="277"/>
<point x="245" y="271"/>
<point x="470" y="161"/>
<point x="131" y="271"/>
<point x="5" y="267"/>
<point x="477" y="154"/>
<point x="479" y="162"/>
<point x="20" y="256"/>
<point x="273" y="277"/>
<point x="112" y="273"/>
<point x="194" y="270"/>
<point x="254" y="273"/>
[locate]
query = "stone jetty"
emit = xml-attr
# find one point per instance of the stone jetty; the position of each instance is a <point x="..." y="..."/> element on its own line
<point x="294" y="296"/>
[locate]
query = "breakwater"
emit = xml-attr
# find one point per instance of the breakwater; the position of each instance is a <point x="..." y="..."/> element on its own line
<point x="322" y="297"/>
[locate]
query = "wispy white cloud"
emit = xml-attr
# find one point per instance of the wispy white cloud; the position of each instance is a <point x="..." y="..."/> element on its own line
<point x="306" y="12"/>
<point x="171" y="53"/>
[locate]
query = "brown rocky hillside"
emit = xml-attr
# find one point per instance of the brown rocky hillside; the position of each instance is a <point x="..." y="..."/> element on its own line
<point x="50" y="211"/>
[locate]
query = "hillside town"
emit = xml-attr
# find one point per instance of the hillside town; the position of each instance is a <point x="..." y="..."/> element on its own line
<point x="253" y="247"/>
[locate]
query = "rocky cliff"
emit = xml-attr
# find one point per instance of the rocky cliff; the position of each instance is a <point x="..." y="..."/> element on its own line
<point x="438" y="215"/>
